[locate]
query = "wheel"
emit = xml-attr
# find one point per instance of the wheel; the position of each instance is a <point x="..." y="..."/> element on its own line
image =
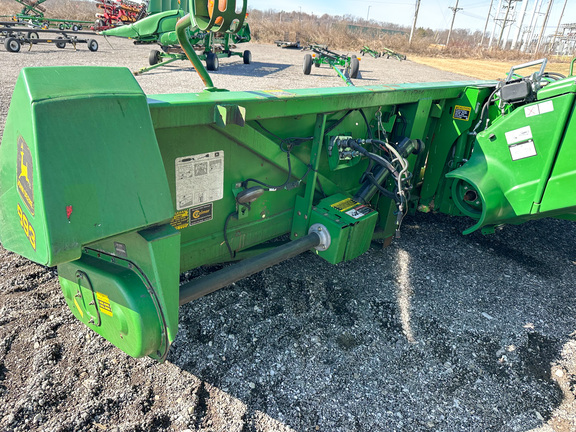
<point x="79" y="26"/>
<point x="45" y="25"/>
<point x="307" y="64"/>
<point x="60" y="44"/>
<point x="74" y="27"/>
<point x="62" y="27"/>
<point x="32" y="36"/>
<point x="154" y="57"/>
<point x="12" y="44"/>
<point x="354" y="67"/>
<point x="247" y="56"/>
<point x="92" y="45"/>
<point x="212" y="63"/>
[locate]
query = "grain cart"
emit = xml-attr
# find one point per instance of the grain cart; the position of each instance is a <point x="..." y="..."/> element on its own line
<point x="345" y="66"/>
<point x="257" y="177"/>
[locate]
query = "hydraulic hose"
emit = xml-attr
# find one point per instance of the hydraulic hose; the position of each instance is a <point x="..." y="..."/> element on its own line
<point x="181" y="26"/>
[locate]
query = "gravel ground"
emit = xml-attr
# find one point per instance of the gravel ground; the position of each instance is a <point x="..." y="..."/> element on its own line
<point x="438" y="332"/>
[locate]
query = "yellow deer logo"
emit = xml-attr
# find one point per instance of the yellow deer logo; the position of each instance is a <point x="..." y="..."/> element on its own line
<point x="23" y="168"/>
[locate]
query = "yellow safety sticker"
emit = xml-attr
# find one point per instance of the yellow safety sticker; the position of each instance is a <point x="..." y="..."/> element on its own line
<point x="461" y="112"/>
<point x="344" y="205"/>
<point x="79" y="309"/>
<point x="104" y="303"/>
<point x="180" y="220"/>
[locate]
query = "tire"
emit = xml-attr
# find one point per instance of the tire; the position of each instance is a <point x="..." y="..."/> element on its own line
<point x="74" y="27"/>
<point x="45" y="25"/>
<point x="62" y="44"/>
<point x="98" y="24"/>
<point x="212" y="63"/>
<point x="247" y="56"/>
<point x="79" y="26"/>
<point x="12" y="44"/>
<point x="317" y="63"/>
<point x="92" y="45"/>
<point x="154" y="57"/>
<point x="62" y="27"/>
<point x="32" y="36"/>
<point x="354" y="67"/>
<point x="307" y="64"/>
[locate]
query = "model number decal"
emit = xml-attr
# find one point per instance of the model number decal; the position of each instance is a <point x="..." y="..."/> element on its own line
<point x="27" y="227"/>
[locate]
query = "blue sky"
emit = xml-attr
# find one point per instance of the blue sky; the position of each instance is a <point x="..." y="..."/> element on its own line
<point x="433" y="14"/>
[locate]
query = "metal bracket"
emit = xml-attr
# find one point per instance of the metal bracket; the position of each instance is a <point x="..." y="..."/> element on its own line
<point x="80" y="276"/>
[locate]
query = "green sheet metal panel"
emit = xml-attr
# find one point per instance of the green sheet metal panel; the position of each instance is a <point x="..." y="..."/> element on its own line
<point x="91" y="159"/>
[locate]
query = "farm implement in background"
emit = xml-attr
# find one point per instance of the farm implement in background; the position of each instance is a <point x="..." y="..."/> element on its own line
<point x="287" y="43"/>
<point x="346" y="67"/>
<point x="32" y="14"/>
<point x="14" y="36"/>
<point x="160" y="28"/>
<point x="258" y="177"/>
<point x="385" y="52"/>
<point x="118" y="12"/>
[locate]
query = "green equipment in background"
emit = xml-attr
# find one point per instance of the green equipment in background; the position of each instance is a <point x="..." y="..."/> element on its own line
<point x="258" y="177"/>
<point x="160" y="28"/>
<point x="346" y="67"/>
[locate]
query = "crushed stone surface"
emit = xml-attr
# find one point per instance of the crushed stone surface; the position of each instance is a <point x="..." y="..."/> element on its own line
<point x="437" y="332"/>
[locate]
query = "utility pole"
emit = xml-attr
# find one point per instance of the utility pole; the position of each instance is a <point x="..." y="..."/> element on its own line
<point x="505" y="20"/>
<point x="498" y="9"/>
<point x="414" y="23"/>
<point x="368" y="13"/>
<point x="519" y="32"/>
<point x="486" y="25"/>
<point x="558" y="26"/>
<point x="533" y="22"/>
<point x="455" y="9"/>
<point x="544" y="25"/>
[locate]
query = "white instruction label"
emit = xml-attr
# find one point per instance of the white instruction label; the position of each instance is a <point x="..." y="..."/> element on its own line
<point x="358" y="212"/>
<point x="199" y="179"/>
<point x="522" y="150"/>
<point x="517" y="135"/>
<point x="541" y="108"/>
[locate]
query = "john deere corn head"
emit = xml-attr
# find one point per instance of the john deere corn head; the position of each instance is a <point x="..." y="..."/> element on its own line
<point x="258" y="177"/>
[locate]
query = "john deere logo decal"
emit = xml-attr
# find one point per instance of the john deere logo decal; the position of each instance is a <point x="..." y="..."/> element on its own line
<point x="25" y="172"/>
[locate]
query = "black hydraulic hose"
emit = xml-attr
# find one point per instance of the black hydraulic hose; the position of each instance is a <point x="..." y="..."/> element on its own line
<point x="205" y="285"/>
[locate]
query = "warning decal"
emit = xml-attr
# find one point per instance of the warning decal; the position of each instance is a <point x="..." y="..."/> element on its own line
<point x="104" y="303"/>
<point x="199" y="179"/>
<point x="24" y="172"/>
<point x="522" y="150"/>
<point x="344" y="205"/>
<point x="180" y="220"/>
<point x="358" y="212"/>
<point x="541" y="108"/>
<point x="201" y="214"/>
<point x="461" y="112"/>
